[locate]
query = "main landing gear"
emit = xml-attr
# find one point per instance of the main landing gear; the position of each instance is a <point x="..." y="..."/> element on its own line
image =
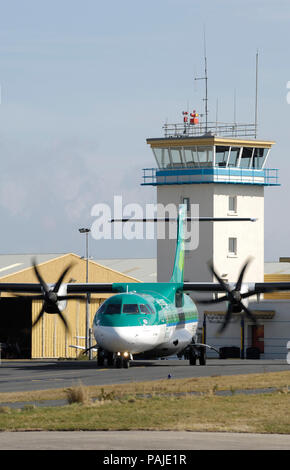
<point x="197" y="351"/>
<point x="194" y="352"/>
<point x="118" y="360"/>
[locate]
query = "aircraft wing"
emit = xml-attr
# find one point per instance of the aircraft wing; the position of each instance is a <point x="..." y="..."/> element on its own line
<point x="258" y="287"/>
<point x="107" y="288"/>
<point x="20" y="287"/>
<point x="32" y="288"/>
<point x="234" y="294"/>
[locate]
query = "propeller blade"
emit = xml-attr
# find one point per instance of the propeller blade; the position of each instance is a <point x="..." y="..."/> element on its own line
<point x="63" y="319"/>
<point x="240" y="280"/>
<point x="221" y="281"/>
<point x="249" y="313"/>
<point x="59" y="282"/>
<point x="88" y="349"/>
<point x="28" y="297"/>
<point x="50" y="296"/>
<point x="38" y="275"/>
<point x="39" y="316"/>
<point x="227" y="318"/>
<point x="245" y="295"/>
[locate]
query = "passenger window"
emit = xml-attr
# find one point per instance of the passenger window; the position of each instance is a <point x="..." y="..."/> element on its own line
<point x="130" y="308"/>
<point x="113" y="308"/>
<point x="144" y="309"/>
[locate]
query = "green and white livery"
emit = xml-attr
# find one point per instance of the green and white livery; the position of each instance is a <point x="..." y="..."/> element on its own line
<point x="152" y="319"/>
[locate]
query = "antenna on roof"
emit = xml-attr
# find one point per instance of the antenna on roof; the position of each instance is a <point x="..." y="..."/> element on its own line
<point x="256" y="98"/>
<point x="216" y="112"/>
<point x="235" y="107"/>
<point x="205" y="79"/>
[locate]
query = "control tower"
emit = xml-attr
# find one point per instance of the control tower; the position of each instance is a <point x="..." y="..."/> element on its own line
<point x="222" y="169"/>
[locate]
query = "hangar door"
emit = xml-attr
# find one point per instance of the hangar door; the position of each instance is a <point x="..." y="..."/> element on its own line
<point x="15" y="328"/>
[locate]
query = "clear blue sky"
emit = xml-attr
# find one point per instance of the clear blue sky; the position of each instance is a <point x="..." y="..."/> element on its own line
<point x="84" y="83"/>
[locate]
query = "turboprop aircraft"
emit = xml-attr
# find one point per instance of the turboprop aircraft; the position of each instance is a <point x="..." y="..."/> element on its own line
<point x="149" y="319"/>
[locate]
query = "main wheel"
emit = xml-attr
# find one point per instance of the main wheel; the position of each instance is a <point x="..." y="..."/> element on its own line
<point x="192" y="358"/>
<point x="126" y="362"/>
<point x="119" y="362"/>
<point x="100" y="357"/>
<point x="111" y="359"/>
<point x="202" y="357"/>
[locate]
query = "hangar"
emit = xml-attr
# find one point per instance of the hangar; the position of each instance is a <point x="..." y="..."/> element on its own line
<point x="48" y="339"/>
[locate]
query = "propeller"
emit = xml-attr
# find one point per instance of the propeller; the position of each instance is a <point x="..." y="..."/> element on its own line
<point x="50" y="296"/>
<point x="234" y="297"/>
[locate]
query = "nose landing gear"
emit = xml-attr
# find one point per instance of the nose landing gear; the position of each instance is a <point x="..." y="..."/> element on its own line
<point x="123" y="360"/>
<point x="118" y="360"/>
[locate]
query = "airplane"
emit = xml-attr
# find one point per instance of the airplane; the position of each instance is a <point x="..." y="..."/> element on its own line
<point x="148" y="320"/>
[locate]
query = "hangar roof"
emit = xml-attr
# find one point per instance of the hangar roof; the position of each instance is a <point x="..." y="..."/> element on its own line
<point x="277" y="268"/>
<point x="143" y="269"/>
<point x="12" y="263"/>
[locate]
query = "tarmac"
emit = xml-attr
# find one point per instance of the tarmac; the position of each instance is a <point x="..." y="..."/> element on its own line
<point x="141" y="440"/>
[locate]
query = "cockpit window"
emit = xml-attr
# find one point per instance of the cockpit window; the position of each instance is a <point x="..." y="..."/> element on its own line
<point x="113" y="308"/>
<point x="130" y="308"/>
<point x="102" y="308"/>
<point x="144" y="309"/>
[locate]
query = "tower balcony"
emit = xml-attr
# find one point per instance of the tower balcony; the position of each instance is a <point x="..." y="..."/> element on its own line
<point x="261" y="177"/>
<point x="210" y="159"/>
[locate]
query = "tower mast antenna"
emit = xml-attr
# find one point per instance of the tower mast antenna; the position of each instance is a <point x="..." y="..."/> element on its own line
<point x="256" y="98"/>
<point x="205" y="78"/>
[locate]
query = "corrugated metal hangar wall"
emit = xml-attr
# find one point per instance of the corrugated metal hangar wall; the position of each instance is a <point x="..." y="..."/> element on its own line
<point x="49" y="339"/>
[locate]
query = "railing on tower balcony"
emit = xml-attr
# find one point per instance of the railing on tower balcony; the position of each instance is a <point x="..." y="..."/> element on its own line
<point x="211" y="128"/>
<point x="157" y="176"/>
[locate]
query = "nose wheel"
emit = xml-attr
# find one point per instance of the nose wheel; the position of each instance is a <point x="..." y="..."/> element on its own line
<point x="118" y="360"/>
<point x="122" y="361"/>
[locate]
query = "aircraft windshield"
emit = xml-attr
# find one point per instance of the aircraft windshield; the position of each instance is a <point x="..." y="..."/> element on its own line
<point x="113" y="308"/>
<point x="130" y="308"/>
<point x="144" y="309"/>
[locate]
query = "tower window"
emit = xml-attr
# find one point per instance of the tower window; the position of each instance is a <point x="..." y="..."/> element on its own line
<point x="232" y="246"/>
<point x="233" y="204"/>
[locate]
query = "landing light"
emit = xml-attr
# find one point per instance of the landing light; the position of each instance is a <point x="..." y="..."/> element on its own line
<point x="124" y="354"/>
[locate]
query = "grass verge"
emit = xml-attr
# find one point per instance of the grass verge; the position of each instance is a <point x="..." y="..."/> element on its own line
<point x="269" y="380"/>
<point x="160" y="405"/>
<point x="237" y="413"/>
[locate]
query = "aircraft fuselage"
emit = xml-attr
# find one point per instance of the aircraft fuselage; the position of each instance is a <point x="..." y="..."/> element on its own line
<point x="143" y="321"/>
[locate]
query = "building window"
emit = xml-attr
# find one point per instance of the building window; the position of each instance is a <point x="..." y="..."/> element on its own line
<point x="233" y="204"/>
<point x="232" y="246"/>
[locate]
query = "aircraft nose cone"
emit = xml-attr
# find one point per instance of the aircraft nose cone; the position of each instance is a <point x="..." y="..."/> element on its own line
<point x="116" y="339"/>
<point x="121" y="339"/>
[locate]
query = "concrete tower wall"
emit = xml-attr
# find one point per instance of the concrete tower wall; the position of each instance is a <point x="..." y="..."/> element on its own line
<point x="213" y="237"/>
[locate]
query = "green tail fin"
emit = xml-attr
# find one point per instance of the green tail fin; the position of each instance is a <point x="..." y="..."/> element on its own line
<point x="178" y="268"/>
